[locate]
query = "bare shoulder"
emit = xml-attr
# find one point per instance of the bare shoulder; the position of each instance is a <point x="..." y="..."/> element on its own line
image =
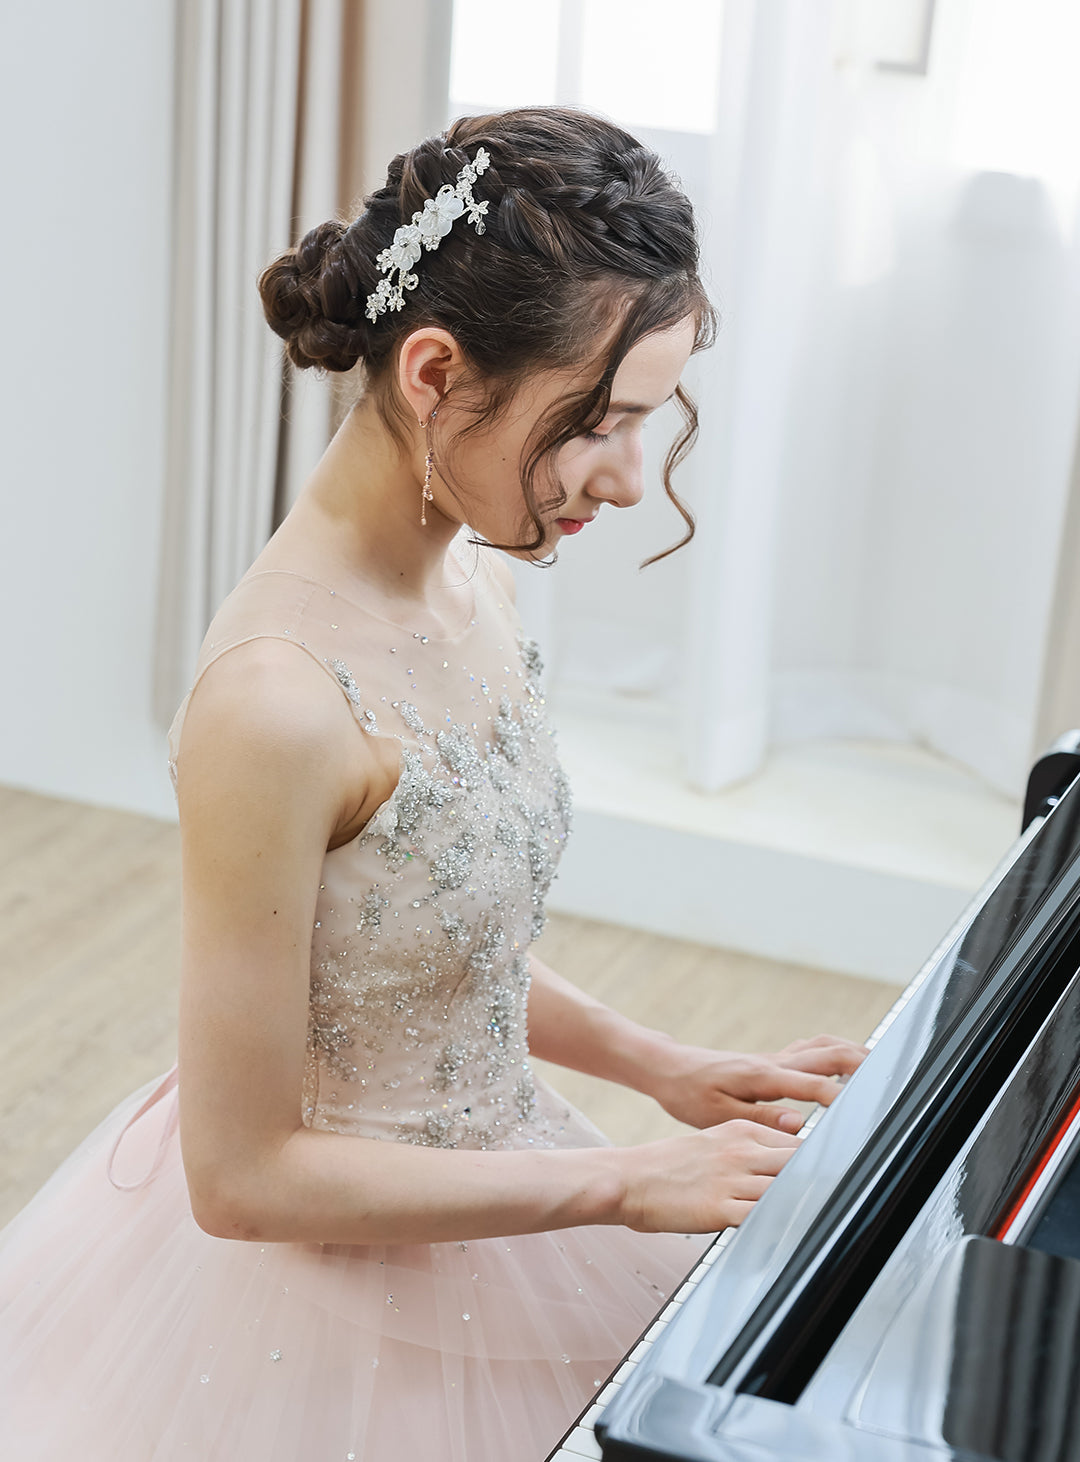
<point x="268" y="697"/>
<point x="266" y="726"/>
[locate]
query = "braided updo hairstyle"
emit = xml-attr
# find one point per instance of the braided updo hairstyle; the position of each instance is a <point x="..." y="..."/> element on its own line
<point x="587" y="238"/>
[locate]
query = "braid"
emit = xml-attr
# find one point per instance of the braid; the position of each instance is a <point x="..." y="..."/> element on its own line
<point x="618" y="224"/>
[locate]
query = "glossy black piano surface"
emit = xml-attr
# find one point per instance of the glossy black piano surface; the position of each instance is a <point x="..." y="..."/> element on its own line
<point x="909" y="1288"/>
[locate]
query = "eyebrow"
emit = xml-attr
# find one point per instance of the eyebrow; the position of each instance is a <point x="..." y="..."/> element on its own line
<point x="632" y="408"/>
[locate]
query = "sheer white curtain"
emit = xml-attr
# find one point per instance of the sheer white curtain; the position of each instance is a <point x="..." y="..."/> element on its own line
<point x="769" y="105"/>
<point x="238" y="98"/>
<point x="287" y="112"/>
<point x="889" y="231"/>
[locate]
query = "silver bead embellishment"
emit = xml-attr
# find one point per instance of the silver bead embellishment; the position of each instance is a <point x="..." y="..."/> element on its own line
<point x="420" y="979"/>
<point x="428" y="228"/>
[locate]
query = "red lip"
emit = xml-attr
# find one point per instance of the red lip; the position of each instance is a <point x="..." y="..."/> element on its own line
<point x="572" y="525"/>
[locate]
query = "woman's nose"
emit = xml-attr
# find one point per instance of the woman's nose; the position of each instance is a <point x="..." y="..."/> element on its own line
<point x="624" y="484"/>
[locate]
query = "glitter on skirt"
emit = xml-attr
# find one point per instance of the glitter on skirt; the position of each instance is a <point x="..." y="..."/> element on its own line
<point x="128" y="1334"/>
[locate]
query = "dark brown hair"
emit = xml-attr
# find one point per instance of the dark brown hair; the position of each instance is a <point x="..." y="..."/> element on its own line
<point x="588" y="238"/>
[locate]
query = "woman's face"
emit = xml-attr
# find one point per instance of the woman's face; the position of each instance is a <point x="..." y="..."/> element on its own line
<point x="601" y="467"/>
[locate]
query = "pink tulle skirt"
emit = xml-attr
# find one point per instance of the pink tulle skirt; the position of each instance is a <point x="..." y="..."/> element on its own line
<point x="129" y="1335"/>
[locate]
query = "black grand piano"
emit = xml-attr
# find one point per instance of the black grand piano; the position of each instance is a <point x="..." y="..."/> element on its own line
<point x="908" y="1290"/>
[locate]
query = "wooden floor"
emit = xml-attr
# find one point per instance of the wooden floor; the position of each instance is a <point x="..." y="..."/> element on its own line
<point x="89" y="957"/>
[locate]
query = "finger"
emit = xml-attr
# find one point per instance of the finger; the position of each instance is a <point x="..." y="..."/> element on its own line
<point x="767" y="1161"/>
<point x="814" y="1057"/>
<point x="749" y="1187"/>
<point x="802" y="1086"/>
<point x="781" y="1119"/>
<point x="734" y="1211"/>
<point x="755" y="1131"/>
<point x="824" y="1040"/>
<point x="825" y="1060"/>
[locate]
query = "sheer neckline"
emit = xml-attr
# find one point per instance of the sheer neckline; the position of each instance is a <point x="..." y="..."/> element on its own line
<point x="454" y="637"/>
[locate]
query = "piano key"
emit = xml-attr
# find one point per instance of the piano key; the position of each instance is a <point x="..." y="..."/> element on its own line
<point x="582" y="1443"/>
<point x="606" y="1394"/>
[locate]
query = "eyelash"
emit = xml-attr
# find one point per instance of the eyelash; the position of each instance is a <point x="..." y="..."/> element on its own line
<point x="596" y="436"/>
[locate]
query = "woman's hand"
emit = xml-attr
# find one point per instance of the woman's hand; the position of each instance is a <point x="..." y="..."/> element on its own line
<point x="702" y="1181"/>
<point x="702" y="1087"/>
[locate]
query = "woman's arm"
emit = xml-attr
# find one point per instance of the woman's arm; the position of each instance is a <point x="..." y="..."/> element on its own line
<point x="271" y="771"/>
<point x="696" y="1085"/>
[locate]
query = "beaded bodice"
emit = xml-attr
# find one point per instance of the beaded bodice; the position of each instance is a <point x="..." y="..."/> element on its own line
<point x="419" y="950"/>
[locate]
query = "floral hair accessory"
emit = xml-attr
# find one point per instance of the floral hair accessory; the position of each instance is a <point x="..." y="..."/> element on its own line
<point x="427" y="230"/>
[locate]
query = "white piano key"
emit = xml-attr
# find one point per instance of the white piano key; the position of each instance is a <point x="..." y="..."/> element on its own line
<point x="811" y="1122"/>
<point x="626" y="1370"/>
<point x="640" y="1351"/>
<point x="582" y="1443"/>
<point x="894" y="1010"/>
<point x="656" y="1329"/>
<point x="610" y="1391"/>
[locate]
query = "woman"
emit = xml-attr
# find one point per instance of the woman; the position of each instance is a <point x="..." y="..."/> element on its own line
<point x="371" y="814"/>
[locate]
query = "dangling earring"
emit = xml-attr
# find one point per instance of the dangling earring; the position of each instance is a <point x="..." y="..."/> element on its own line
<point x="427" y="496"/>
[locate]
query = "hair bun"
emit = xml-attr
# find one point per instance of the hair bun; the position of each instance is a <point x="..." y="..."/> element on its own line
<point x="309" y="297"/>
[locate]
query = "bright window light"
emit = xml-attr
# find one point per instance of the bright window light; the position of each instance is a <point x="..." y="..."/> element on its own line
<point x="653" y="64"/>
<point x="648" y="63"/>
<point x="504" y="55"/>
<point x="1018" y="103"/>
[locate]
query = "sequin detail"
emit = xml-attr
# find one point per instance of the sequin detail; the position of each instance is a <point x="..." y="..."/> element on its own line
<point x="419" y="988"/>
<point x="352" y="690"/>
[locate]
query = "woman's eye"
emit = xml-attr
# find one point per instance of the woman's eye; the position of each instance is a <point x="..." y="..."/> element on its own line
<point x="596" y="436"/>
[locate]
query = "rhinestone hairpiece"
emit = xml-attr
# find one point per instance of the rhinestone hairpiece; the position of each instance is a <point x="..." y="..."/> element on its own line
<point x="428" y="228"/>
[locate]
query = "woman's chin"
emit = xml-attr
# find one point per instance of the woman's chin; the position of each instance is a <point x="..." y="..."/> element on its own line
<point x="552" y="539"/>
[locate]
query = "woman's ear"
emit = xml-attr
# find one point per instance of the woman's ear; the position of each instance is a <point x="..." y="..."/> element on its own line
<point x="429" y="362"/>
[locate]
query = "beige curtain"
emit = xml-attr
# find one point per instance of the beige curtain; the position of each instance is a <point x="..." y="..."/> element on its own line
<point x="1059" y="698"/>
<point x="286" y="113"/>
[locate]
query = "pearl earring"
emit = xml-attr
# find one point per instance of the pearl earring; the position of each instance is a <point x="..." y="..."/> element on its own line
<point x="427" y="496"/>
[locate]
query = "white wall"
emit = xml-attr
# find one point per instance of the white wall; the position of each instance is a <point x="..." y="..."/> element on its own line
<point x="86" y="113"/>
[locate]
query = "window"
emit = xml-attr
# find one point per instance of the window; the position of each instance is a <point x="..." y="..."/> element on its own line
<point x="644" y="64"/>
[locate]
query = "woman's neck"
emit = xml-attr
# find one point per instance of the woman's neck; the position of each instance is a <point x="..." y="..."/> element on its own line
<point x="359" y="515"/>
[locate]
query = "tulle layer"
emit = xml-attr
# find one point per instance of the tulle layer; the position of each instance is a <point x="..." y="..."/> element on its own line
<point x="129" y="1335"/>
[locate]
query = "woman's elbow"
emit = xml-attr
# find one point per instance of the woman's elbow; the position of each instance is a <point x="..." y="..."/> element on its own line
<point x="222" y="1210"/>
